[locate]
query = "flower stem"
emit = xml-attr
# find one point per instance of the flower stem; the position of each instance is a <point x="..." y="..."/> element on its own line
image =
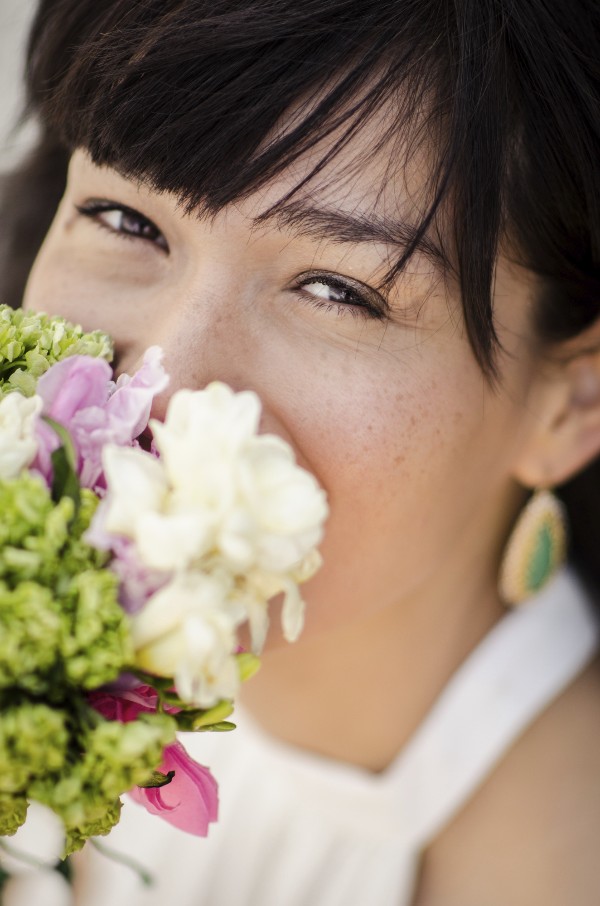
<point x="24" y="857"/>
<point x="145" y="877"/>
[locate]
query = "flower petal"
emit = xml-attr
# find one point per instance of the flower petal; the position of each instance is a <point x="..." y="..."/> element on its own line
<point x="136" y="485"/>
<point x="189" y="801"/>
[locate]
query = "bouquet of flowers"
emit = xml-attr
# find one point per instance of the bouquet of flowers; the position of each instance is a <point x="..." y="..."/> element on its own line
<point x="131" y="553"/>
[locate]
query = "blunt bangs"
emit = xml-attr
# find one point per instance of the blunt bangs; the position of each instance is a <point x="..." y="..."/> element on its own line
<point x="185" y="95"/>
<point x="189" y="96"/>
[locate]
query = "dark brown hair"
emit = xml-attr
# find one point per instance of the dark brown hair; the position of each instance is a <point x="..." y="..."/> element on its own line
<point x="187" y="94"/>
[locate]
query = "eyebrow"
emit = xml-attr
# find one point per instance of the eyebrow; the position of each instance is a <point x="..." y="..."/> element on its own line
<point x="341" y="227"/>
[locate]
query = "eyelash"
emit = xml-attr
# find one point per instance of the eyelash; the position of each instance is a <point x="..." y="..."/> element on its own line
<point x="92" y="209"/>
<point x="364" y="303"/>
<point x="360" y="305"/>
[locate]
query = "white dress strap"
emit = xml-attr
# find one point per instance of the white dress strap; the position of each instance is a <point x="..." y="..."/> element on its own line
<point x="527" y="659"/>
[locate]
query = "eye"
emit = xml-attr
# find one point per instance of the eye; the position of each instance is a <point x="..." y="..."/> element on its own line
<point x="123" y="221"/>
<point x="342" y="295"/>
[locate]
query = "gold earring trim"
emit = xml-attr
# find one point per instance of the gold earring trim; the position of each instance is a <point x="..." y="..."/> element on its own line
<point x="535" y="549"/>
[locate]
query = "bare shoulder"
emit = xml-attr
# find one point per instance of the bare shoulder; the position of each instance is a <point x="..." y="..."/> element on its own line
<point x="530" y="836"/>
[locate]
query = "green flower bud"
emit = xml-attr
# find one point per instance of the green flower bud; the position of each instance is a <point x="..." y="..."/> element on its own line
<point x="30" y="636"/>
<point x="33" y="744"/>
<point x="115" y="757"/>
<point x="60" y="620"/>
<point x="13" y="812"/>
<point x="31" y="342"/>
<point x="96" y="643"/>
<point x="78" y="836"/>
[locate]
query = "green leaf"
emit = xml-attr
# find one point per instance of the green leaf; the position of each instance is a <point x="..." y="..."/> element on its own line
<point x="195" y="719"/>
<point x="65" y="482"/>
<point x="157" y="780"/>
<point x="223" y="726"/>
<point x="64" y="479"/>
<point x="248" y="664"/>
<point x="170" y="699"/>
<point x="159" y="683"/>
<point x="65" y="439"/>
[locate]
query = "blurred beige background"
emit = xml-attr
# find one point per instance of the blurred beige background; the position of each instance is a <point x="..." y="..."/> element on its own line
<point x="15" y="17"/>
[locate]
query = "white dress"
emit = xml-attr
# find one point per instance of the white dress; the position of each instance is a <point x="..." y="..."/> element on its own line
<point x="298" y="830"/>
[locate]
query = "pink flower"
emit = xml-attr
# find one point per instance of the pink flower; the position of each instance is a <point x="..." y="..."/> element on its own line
<point x="76" y="383"/>
<point x="190" y="801"/>
<point x="137" y="582"/>
<point x="79" y="394"/>
<point x="123" y="704"/>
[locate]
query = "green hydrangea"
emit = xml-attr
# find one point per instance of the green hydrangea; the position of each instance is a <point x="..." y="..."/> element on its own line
<point x="76" y="763"/>
<point x="96" y="641"/>
<point x="33" y="744"/>
<point x="31" y="342"/>
<point x="62" y="630"/>
<point x="60" y="620"/>
<point x="76" y="837"/>
<point x="115" y="757"/>
<point x="42" y="540"/>
<point x="30" y="636"/>
<point x="13" y="812"/>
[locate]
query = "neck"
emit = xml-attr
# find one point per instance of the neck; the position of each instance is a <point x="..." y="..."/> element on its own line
<point x="358" y="695"/>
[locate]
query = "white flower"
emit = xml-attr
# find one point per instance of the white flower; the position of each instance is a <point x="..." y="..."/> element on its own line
<point x="283" y="503"/>
<point x="259" y="587"/>
<point x="188" y="631"/>
<point x="222" y="499"/>
<point x="252" y="504"/>
<point x="18" y="443"/>
<point x="174" y="541"/>
<point x="138" y="508"/>
<point x="138" y="487"/>
<point x="202" y="430"/>
<point x="218" y="489"/>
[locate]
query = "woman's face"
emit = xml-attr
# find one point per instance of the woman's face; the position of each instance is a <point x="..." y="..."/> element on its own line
<point x="381" y="398"/>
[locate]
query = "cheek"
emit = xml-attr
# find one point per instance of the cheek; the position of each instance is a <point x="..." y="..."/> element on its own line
<point x="70" y="278"/>
<point x="372" y="448"/>
<point x="57" y="286"/>
<point x="392" y="461"/>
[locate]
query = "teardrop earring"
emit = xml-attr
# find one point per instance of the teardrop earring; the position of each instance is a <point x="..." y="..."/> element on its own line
<point x="535" y="550"/>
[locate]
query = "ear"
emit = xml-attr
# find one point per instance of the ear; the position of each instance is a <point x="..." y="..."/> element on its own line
<point x="565" y="433"/>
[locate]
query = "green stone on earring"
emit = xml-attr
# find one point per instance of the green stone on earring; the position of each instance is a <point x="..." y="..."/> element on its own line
<point x="541" y="564"/>
<point x="535" y="550"/>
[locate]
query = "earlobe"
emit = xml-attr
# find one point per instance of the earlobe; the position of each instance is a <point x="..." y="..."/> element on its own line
<point x="566" y="436"/>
